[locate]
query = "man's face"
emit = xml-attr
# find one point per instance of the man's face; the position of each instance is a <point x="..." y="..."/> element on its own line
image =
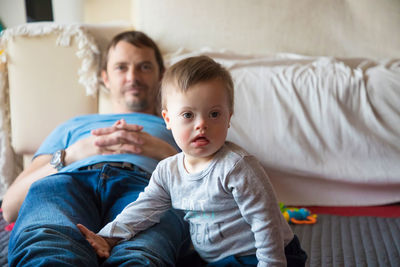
<point x="133" y="78"/>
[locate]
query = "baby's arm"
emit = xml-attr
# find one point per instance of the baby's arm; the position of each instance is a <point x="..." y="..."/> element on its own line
<point x="142" y="213"/>
<point x="102" y="245"/>
<point x="258" y="205"/>
<point x="136" y="216"/>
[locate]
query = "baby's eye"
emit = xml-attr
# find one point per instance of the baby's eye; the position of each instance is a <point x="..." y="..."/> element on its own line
<point x="214" y="114"/>
<point x="187" y="115"/>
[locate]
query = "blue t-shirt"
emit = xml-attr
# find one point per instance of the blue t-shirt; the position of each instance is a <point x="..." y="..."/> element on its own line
<point x="79" y="127"/>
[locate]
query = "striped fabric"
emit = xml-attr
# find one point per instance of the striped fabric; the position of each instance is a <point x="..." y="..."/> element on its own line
<point x="4" y="236"/>
<point x="351" y="241"/>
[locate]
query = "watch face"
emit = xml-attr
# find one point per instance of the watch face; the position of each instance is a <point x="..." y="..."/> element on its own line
<point x="56" y="158"/>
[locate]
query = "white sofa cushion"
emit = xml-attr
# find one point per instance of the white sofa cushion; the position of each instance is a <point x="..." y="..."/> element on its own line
<point x="318" y="124"/>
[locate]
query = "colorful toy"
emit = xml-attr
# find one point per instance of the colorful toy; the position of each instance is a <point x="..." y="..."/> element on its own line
<point x="298" y="215"/>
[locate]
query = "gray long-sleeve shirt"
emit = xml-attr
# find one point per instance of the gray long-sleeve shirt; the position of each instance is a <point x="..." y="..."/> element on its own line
<point x="231" y="207"/>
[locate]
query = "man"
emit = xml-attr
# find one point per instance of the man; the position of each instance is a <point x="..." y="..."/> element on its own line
<point x="88" y="169"/>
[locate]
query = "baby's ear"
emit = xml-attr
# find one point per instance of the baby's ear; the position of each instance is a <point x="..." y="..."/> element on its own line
<point x="165" y="116"/>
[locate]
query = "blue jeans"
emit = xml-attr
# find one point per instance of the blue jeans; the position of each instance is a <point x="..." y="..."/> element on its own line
<point x="295" y="257"/>
<point x="45" y="233"/>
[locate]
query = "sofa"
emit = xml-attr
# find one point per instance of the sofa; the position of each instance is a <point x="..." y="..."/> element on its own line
<point x="317" y="93"/>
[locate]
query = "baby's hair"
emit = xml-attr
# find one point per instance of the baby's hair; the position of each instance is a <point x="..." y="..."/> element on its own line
<point x="193" y="70"/>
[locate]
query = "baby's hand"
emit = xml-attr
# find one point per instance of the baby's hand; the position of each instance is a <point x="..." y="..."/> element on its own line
<point x="100" y="244"/>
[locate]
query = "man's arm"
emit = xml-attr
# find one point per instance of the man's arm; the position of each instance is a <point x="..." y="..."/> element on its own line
<point x="16" y="193"/>
<point x="39" y="168"/>
<point x="117" y="139"/>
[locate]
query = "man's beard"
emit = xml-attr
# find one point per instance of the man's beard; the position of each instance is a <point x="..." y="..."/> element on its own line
<point x="137" y="105"/>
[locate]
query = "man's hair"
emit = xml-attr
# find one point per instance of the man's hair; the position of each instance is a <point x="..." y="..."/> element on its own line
<point x="138" y="39"/>
<point x="193" y="70"/>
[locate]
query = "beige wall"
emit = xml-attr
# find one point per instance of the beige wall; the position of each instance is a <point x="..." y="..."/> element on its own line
<point x="12" y="12"/>
<point x="104" y="11"/>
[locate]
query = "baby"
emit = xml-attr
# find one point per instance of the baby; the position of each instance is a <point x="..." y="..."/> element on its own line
<point x="225" y="193"/>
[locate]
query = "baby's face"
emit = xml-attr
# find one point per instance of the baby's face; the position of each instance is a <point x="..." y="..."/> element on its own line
<point x="199" y="118"/>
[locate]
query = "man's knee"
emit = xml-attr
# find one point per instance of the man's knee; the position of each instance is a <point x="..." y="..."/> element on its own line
<point x="50" y="245"/>
<point x="160" y="245"/>
<point x="131" y="253"/>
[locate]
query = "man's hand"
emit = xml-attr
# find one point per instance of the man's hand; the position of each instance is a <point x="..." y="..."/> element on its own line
<point x="119" y="138"/>
<point x="101" y="245"/>
<point x="129" y="138"/>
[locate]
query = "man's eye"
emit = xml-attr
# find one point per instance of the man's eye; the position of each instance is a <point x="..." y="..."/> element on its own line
<point x="147" y="67"/>
<point x="214" y="114"/>
<point x="187" y="115"/>
<point x="121" y="67"/>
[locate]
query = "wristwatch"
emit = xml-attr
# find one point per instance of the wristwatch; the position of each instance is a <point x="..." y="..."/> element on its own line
<point x="57" y="160"/>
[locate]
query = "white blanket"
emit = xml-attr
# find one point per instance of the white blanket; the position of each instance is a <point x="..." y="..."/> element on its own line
<point x="326" y="130"/>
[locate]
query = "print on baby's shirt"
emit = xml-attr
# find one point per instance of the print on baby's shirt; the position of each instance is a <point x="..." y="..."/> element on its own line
<point x="203" y="227"/>
<point x="204" y="233"/>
